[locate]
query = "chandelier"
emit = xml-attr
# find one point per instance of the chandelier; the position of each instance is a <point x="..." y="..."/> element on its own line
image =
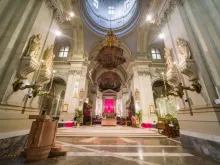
<point x="110" y="38"/>
<point x="110" y="57"/>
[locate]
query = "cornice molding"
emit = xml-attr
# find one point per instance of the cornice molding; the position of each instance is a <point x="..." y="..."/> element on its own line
<point x="168" y="10"/>
<point x="53" y="5"/>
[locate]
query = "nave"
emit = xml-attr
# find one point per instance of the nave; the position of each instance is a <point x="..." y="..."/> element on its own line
<point x="132" y="146"/>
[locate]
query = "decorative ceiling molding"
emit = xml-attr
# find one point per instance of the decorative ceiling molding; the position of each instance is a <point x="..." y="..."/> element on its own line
<point x="54" y="6"/>
<point x="170" y="5"/>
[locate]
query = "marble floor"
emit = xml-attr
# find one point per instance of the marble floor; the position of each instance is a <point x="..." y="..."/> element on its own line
<point x="95" y="150"/>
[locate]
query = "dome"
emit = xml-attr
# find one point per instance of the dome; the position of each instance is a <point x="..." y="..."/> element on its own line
<point x="119" y="15"/>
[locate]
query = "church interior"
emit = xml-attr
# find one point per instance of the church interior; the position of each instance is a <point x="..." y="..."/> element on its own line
<point x="109" y="82"/>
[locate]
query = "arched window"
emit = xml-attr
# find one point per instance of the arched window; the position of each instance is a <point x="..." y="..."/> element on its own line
<point x="96" y="4"/>
<point x="155" y="53"/>
<point x="64" y="50"/>
<point x="111" y="10"/>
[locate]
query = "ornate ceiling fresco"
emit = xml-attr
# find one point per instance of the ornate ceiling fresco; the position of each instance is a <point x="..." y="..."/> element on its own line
<point x="110" y="57"/>
<point x="109" y="80"/>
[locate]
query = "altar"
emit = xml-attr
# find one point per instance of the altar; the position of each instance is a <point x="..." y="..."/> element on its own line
<point x="109" y="122"/>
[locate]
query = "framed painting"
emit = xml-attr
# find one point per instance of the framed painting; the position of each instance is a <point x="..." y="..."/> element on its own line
<point x="152" y="108"/>
<point x="65" y="107"/>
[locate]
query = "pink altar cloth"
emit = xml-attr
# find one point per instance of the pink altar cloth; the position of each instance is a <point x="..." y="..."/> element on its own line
<point x="109" y="106"/>
<point x="69" y="123"/>
<point x="146" y="125"/>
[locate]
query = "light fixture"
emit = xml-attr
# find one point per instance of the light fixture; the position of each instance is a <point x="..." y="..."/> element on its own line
<point x="110" y="38"/>
<point x="162" y="73"/>
<point x="58" y="33"/>
<point x="72" y="14"/>
<point x="161" y="36"/>
<point x="54" y="71"/>
<point x="149" y="17"/>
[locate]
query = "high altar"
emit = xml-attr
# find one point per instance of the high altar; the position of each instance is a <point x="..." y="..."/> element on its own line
<point x="107" y="110"/>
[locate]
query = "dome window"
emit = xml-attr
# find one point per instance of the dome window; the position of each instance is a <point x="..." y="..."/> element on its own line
<point x="111" y="10"/>
<point x="96" y="4"/>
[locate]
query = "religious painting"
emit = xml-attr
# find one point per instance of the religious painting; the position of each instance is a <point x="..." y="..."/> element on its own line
<point x="109" y="106"/>
<point x="65" y="107"/>
<point x="109" y="80"/>
<point x="152" y="109"/>
<point x="75" y="89"/>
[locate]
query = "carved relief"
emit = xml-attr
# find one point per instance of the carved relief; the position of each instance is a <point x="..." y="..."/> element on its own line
<point x="53" y="5"/>
<point x="168" y="11"/>
<point x="109" y="80"/>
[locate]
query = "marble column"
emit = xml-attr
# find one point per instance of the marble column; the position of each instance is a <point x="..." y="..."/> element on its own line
<point x="74" y="85"/>
<point x="142" y="92"/>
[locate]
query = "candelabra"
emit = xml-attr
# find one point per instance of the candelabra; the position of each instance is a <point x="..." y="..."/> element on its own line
<point x="19" y="84"/>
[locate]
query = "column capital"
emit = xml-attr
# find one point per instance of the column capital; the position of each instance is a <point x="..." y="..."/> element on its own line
<point x="75" y="72"/>
<point x="170" y="5"/>
<point x="143" y="73"/>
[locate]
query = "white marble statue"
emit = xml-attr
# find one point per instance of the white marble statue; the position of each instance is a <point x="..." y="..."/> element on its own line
<point x="169" y="58"/>
<point x="183" y="49"/>
<point x="34" y="46"/>
<point x="48" y="58"/>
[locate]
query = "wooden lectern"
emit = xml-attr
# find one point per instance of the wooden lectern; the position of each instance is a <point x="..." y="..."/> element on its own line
<point x="41" y="139"/>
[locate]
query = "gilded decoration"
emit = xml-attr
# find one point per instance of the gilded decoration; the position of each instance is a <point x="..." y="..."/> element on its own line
<point x="110" y="38"/>
<point x="110" y="57"/>
<point x="109" y="80"/>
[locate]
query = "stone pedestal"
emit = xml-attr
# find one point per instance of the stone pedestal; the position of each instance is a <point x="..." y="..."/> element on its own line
<point x="41" y="139"/>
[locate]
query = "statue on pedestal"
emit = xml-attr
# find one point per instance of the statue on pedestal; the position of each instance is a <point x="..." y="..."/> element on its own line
<point x="183" y="48"/>
<point x="169" y="58"/>
<point x="34" y="46"/>
<point x="48" y="58"/>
